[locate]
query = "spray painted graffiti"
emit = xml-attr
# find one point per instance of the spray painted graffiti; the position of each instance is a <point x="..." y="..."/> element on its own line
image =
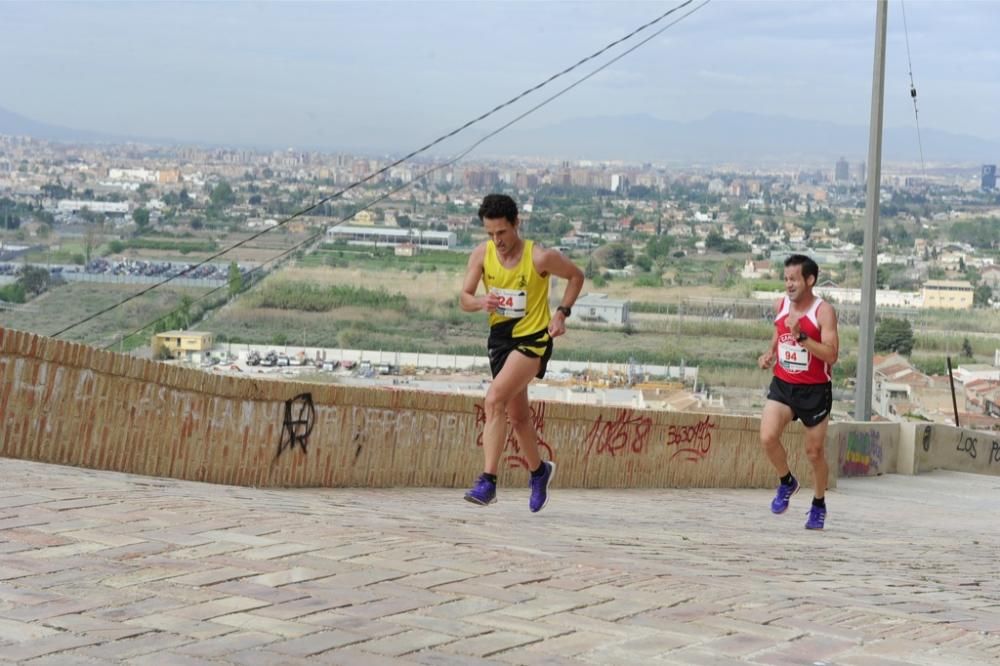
<point x="967" y="444"/>
<point x="861" y="453"/>
<point x="623" y="434"/>
<point x="692" y="441"/>
<point x="995" y="453"/>
<point x="300" y="415"/>
<point x="515" y="459"/>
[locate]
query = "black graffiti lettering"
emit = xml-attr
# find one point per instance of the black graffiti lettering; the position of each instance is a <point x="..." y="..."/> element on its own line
<point x="967" y="444"/>
<point x="995" y="453"/>
<point x="300" y="416"/>
<point x="927" y="439"/>
<point x="357" y="451"/>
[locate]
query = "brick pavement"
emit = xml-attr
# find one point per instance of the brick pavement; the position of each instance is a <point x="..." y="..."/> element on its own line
<point x="105" y="568"/>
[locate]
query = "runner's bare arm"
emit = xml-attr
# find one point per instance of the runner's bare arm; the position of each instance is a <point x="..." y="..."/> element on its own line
<point x="473" y="277"/>
<point x="553" y="262"/>
<point x="766" y="360"/>
<point x="828" y="347"/>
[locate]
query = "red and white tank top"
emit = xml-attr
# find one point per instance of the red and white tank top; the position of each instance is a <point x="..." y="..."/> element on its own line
<point x="795" y="364"/>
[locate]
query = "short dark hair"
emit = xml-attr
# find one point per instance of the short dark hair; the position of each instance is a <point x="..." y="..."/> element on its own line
<point x="809" y="267"/>
<point x="495" y="206"/>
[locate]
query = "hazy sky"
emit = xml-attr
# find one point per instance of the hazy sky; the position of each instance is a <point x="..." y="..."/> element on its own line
<point x="400" y="73"/>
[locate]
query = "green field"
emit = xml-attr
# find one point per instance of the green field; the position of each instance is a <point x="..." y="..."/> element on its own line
<point x="72" y="302"/>
<point x="395" y="309"/>
<point x="378" y="259"/>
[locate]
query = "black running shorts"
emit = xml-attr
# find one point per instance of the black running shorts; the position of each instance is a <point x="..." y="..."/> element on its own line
<point x="810" y="403"/>
<point x="501" y="344"/>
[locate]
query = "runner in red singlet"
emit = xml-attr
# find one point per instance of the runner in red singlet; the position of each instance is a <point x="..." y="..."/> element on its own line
<point x="803" y="350"/>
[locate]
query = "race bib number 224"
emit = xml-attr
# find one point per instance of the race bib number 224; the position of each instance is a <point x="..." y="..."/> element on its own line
<point x="513" y="303"/>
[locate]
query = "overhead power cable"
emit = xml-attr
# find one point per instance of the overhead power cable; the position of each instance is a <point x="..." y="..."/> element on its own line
<point x="384" y="169"/>
<point x="423" y="175"/>
<point x="913" y="91"/>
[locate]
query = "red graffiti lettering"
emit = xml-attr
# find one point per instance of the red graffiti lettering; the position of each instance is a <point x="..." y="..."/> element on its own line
<point x="625" y="433"/>
<point x="515" y="460"/>
<point x="693" y="441"/>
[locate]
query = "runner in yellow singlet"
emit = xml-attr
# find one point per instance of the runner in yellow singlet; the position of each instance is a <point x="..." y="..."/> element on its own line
<point x="515" y="273"/>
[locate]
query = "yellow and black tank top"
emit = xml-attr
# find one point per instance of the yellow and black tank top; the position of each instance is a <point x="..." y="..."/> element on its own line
<point x="523" y="292"/>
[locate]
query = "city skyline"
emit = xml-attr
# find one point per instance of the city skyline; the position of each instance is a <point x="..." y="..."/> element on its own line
<point x="390" y="76"/>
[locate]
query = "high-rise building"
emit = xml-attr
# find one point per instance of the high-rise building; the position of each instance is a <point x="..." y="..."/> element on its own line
<point x="989" y="180"/>
<point x="843" y="171"/>
<point x="619" y="183"/>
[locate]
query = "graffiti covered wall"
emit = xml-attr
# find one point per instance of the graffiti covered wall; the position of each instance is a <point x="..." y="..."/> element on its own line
<point x="70" y="404"/>
<point x="956" y="449"/>
<point x="865" y="448"/>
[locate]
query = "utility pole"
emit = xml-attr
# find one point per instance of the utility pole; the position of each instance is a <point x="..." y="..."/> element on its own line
<point x="866" y="334"/>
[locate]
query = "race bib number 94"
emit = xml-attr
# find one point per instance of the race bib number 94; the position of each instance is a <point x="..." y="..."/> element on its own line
<point x="793" y="357"/>
<point x="513" y="303"/>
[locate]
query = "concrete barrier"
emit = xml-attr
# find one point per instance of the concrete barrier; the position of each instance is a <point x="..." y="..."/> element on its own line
<point x="864" y="448"/>
<point x="956" y="449"/>
<point x="71" y="404"/>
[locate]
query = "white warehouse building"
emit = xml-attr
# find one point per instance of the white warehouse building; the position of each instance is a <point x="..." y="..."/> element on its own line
<point x="392" y="236"/>
<point x="599" y="308"/>
<point x="74" y="206"/>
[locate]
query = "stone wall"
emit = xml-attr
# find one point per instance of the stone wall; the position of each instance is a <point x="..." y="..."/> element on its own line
<point x="75" y="405"/>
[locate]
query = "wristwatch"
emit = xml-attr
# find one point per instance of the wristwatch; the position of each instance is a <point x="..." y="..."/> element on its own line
<point x="565" y="310"/>
<point x="802" y="337"/>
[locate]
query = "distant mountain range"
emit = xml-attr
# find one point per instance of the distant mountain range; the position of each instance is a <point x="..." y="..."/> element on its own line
<point x="720" y="138"/>
<point x="16" y="124"/>
<point x="734" y="137"/>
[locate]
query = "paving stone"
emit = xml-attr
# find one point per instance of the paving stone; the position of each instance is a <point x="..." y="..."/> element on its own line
<point x="499" y="620"/>
<point x="140" y="577"/>
<point x="307" y="606"/>
<point x="67" y="659"/>
<point x="217" y="607"/>
<point x="182" y="626"/>
<point x="264" y="594"/>
<point x="455" y="628"/>
<point x="211" y="576"/>
<point x="265" y="657"/>
<point x="221" y="646"/>
<point x="434" y="657"/>
<point x="565" y="649"/>
<point x="645" y="649"/>
<point x="15" y="630"/>
<point x="435" y="577"/>
<point x="405" y="642"/>
<point x="268" y="625"/>
<point x="695" y="656"/>
<point x="491" y="643"/>
<point x="313" y="644"/>
<point x="353" y="655"/>
<point x="94" y="626"/>
<point x="294" y="575"/>
<point x="44" y="611"/>
<point x="47" y="645"/>
<point x="461" y="608"/>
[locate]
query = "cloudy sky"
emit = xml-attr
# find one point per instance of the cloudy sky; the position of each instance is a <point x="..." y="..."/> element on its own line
<point x="396" y="74"/>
